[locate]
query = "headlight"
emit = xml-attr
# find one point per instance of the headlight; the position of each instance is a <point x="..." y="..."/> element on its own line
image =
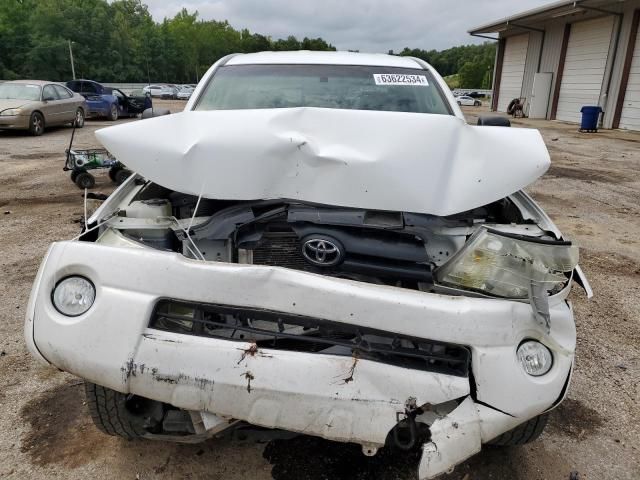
<point x="508" y="265"/>
<point x="535" y="358"/>
<point x="10" y="112"/>
<point x="73" y="296"/>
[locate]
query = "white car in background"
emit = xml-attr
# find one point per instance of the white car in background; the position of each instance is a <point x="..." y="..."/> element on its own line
<point x="162" y="91"/>
<point x="468" y="101"/>
<point x="184" y="92"/>
<point x="318" y="243"/>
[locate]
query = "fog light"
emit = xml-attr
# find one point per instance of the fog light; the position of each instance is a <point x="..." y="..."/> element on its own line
<point x="535" y="358"/>
<point x="73" y="296"/>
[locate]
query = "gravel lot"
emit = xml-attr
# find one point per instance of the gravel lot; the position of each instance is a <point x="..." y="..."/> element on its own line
<point x="592" y="191"/>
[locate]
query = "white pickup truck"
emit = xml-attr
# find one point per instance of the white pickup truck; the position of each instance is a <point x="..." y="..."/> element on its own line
<point x="321" y="244"/>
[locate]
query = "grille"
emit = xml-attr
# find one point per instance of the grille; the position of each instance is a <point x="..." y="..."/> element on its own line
<point x="281" y="250"/>
<point x="283" y="331"/>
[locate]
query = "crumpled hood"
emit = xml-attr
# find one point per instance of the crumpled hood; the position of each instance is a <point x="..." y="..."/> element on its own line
<point x="412" y="162"/>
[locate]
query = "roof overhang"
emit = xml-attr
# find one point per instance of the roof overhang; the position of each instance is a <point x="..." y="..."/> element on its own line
<point x="532" y="19"/>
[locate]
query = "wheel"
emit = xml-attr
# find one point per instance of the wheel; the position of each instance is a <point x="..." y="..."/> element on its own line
<point x="121" y="175"/>
<point x="36" y="124"/>
<point x="459" y="103"/>
<point x="85" y="180"/>
<point x="524" y="433"/>
<point x="476" y="104"/>
<point x="113" y="112"/>
<point x="112" y="173"/>
<point x="74" y="175"/>
<point x="79" y="120"/>
<point x="115" y="413"/>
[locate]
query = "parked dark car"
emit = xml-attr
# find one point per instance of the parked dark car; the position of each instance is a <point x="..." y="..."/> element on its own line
<point x="109" y="102"/>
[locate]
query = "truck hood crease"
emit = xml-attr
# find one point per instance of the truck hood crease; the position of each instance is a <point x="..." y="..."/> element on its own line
<point x="422" y="163"/>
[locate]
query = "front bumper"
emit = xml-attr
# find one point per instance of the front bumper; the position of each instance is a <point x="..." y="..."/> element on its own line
<point x="14" y="122"/>
<point x="335" y="397"/>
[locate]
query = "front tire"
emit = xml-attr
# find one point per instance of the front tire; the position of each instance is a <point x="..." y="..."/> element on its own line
<point x="113" y="112"/>
<point x="476" y="104"/>
<point x="524" y="433"/>
<point x="115" y="413"/>
<point x="112" y="173"/>
<point x="36" y="124"/>
<point x="85" y="180"/>
<point x="74" y="174"/>
<point x="122" y="175"/>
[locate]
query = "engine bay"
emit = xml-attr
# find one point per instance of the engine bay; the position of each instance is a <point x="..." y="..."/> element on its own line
<point x="399" y="249"/>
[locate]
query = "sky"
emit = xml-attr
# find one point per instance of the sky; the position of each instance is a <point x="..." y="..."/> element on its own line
<point x="365" y="25"/>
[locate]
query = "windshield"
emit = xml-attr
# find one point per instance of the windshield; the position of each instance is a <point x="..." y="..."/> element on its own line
<point x="19" y="91"/>
<point x="350" y="87"/>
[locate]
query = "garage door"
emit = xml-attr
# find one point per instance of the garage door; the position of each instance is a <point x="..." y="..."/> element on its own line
<point x="515" y="55"/>
<point x="584" y="67"/>
<point x="630" y="116"/>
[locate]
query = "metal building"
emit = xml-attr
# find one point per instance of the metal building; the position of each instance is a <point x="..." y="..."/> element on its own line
<point x="567" y="54"/>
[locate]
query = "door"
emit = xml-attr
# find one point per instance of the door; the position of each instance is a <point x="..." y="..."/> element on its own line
<point x="515" y="55"/>
<point x="584" y="67"/>
<point x="51" y="106"/>
<point x="630" y="115"/>
<point x="135" y="102"/>
<point x="539" y="100"/>
<point x="121" y="102"/>
<point x="67" y="104"/>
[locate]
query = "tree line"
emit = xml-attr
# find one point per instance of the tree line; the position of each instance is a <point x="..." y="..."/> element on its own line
<point x="473" y="64"/>
<point x="119" y="41"/>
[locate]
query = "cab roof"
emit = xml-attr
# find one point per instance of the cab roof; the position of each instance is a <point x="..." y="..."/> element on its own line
<point x="324" y="58"/>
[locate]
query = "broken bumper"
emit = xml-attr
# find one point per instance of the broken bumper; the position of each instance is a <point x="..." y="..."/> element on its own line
<point x="335" y="397"/>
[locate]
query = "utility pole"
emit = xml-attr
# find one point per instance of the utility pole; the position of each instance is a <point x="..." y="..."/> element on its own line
<point x="73" y="69"/>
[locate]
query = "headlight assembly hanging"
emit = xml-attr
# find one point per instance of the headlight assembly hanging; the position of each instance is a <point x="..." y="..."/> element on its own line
<point x="511" y="266"/>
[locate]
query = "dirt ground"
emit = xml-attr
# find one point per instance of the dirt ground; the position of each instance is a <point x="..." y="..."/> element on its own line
<point x="592" y="191"/>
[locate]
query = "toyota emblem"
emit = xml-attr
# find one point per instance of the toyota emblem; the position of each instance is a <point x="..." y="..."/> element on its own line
<point x="322" y="252"/>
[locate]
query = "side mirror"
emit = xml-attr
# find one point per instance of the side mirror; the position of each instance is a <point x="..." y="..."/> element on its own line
<point x="155" y="112"/>
<point x="47" y="99"/>
<point x="494" y="121"/>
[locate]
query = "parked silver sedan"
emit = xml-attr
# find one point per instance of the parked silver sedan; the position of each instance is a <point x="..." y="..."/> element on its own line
<point x="34" y="105"/>
<point x="184" y="92"/>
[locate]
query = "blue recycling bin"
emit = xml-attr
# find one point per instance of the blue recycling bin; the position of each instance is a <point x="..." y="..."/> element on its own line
<point x="590" y="116"/>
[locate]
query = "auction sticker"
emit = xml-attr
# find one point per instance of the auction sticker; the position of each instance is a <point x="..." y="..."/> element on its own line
<point x="400" y="79"/>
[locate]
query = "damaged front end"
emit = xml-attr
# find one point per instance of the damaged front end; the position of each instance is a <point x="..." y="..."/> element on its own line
<point x="343" y="274"/>
<point x="315" y="319"/>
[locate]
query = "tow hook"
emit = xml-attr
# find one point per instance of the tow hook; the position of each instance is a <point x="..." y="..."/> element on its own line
<point x="406" y="433"/>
